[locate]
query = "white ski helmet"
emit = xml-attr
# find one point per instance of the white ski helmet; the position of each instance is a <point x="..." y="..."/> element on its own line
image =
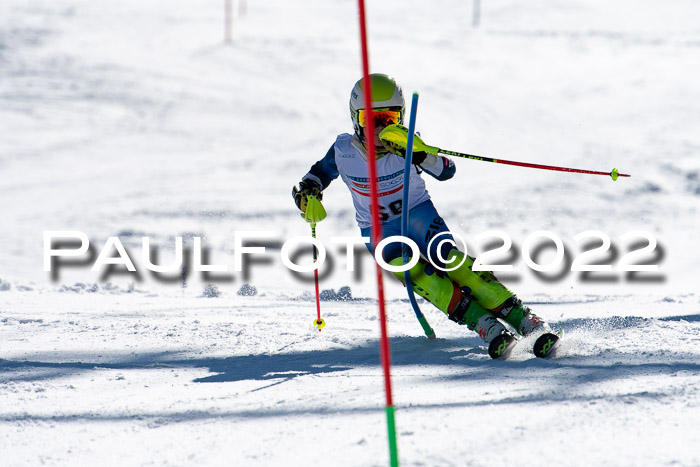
<point x="386" y="95"/>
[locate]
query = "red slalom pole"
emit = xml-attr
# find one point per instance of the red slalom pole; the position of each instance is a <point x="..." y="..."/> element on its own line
<point x="376" y="237"/>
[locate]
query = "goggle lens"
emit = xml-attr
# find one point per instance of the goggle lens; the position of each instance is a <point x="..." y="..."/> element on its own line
<point x="381" y="117"/>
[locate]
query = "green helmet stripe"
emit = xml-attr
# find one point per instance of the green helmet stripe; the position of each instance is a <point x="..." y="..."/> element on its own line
<point x="383" y="87"/>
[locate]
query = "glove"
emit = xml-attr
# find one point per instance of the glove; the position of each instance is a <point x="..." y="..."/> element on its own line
<point x="395" y="139"/>
<point x="306" y="187"/>
<point x="418" y="156"/>
<point x="400" y="150"/>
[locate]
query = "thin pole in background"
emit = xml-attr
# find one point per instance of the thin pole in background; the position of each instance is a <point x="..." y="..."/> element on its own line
<point x="228" y="21"/>
<point x="476" y="13"/>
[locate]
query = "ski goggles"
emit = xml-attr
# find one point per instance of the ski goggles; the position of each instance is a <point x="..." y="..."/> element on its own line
<point x="381" y="117"/>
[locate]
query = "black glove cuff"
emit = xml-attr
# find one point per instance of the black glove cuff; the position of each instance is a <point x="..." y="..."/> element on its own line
<point x="419" y="157"/>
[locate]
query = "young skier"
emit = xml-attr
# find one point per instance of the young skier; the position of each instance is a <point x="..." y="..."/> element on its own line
<point x="475" y="299"/>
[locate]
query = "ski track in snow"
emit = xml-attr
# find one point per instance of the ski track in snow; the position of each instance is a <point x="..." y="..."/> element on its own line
<point x="185" y="379"/>
<point x="132" y="119"/>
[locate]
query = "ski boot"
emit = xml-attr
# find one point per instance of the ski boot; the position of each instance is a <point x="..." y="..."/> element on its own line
<point x="521" y="317"/>
<point x="460" y="306"/>
<point x="490" y="329"/>
<point x="527" y="323"/>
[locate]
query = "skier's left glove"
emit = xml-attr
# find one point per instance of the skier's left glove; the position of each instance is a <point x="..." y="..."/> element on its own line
<point x="306" y="187"/>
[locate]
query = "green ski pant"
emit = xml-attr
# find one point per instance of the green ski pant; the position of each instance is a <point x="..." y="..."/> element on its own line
<point x="442" y="291"/>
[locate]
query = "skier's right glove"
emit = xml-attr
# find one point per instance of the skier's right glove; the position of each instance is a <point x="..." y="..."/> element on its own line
<point x="306" y="187"/>
<point x="418" y="156"/>
<point x="395" y="139"/>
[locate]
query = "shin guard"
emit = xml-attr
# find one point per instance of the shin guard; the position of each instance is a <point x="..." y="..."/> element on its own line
<point x="484" y="286"/>
<point x="437" y="289"/>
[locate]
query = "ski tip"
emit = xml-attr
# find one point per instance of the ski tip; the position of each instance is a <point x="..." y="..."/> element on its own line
<point x="501" y="346"/>
<point x="546" y="345"/>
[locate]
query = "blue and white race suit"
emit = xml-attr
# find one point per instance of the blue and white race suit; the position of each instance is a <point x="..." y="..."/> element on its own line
<point x="348" y="158"/>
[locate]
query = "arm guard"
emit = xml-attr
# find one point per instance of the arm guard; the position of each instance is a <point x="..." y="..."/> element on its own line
<point x="442" y="169"/>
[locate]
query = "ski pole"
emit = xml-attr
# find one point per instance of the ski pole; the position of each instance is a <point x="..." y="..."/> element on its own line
<point x="396" y="136"/>
<point x="614" y="174"/>
<point x="319" y="323"/>
<point x="315" y="213"/>
<point x="429" y="332"/>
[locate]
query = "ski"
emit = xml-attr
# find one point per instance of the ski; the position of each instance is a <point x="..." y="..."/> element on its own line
<point x="502" y="345"/>
<point x="546" y="345"/>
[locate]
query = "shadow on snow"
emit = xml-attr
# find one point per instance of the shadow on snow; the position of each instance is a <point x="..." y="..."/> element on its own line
<point x="455" y="360"/>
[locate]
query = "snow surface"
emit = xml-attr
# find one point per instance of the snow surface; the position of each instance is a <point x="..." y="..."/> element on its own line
<point x="133" y="119"/>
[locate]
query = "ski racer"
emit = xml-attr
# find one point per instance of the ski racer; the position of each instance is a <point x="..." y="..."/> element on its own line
<point x="475" y="299"/>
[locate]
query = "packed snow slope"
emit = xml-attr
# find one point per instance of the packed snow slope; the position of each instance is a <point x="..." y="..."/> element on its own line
<point x="133" y="119"/>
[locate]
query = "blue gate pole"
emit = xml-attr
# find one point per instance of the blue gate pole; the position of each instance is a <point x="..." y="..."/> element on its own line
<point x="404" y="217"/>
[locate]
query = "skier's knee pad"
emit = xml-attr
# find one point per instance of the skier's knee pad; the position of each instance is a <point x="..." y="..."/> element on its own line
<point x="484" y="286"/>
<point x="427" y="283"/>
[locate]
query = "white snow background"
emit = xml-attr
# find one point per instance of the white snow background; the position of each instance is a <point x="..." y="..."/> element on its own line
<point x="134" y="119"/>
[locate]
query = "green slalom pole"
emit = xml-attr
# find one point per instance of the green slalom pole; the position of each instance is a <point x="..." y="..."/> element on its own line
<point x="391" y="427"/>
